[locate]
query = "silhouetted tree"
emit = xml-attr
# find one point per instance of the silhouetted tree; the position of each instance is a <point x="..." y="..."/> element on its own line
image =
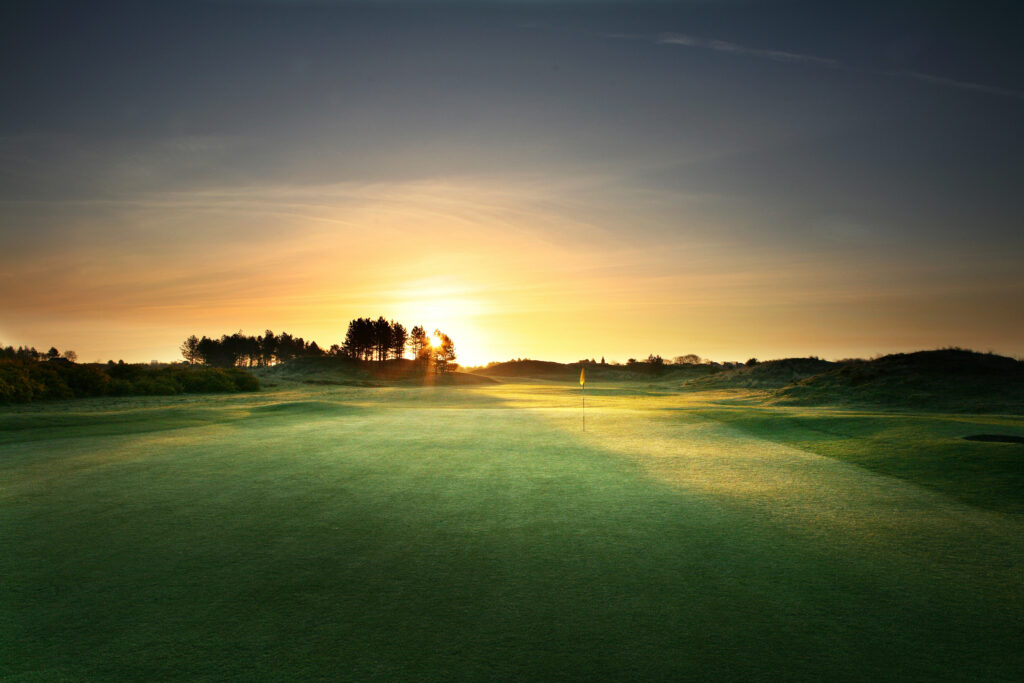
<point x="268" y="348"/>
<point x="212" y="353"/>
<point x="359" y="339"/>
<point x="381" y="338"/>
<point x="443" y="353"/>
<point x="53" y="353"/>
<point x="70" y="355"/>
<point x="751" y="362"/>
<point x="21" y="353"/>
<point x="419" y="344"/>
<point x="190" y="350"/>
<point x="285" y="347"/>
<point x="398" y="339"/>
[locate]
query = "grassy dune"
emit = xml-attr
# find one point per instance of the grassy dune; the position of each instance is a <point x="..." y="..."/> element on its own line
<point x="474" y="532"/>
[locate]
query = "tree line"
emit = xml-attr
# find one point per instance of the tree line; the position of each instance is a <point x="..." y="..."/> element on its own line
<point x="30" y="353"/>
<point x="239" y="350"/>
<point x="27" y="375"/>
<point x="365" y="340"/>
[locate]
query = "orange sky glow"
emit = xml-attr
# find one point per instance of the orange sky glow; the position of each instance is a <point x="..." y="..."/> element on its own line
<point x="544" y="180"/>
<point x="507" y="270"/>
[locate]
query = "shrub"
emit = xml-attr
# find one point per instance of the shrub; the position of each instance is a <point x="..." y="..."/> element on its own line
<point x="23" y="380"/>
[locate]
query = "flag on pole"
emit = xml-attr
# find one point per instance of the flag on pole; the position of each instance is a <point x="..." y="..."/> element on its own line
<point x="583" y="396"/>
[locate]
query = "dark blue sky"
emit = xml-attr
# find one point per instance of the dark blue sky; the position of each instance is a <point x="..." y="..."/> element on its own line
<point x="880" y="141"/>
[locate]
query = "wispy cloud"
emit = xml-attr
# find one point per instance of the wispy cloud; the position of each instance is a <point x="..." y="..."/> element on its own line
<point x="801" y="58"/>
<point x="733" y="48"/>
<point x="961" y="85"/>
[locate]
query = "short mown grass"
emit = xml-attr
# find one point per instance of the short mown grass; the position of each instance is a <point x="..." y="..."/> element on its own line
<point x="445" y="533"/>
<point x="927" y="449"/>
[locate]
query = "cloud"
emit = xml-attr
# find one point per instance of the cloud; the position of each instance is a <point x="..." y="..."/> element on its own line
<point x="799" y="58"/>
<point x="961" y="85"/>
<point x="733" y="48"/>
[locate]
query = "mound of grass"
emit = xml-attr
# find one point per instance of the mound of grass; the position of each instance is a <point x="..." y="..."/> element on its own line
<point x="540" y="369"/>
<point x="946" y="380"/>
<point x="637" y="372"/>
<point x="318" y="368"/>
<point x="767" y="375"/>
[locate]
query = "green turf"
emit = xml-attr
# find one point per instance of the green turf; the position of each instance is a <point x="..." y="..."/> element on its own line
<point x="438" y="533"/>
<point x="928" y="449"/>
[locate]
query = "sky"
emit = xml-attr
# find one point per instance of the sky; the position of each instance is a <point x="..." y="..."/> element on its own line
<point x="538" y="180"/>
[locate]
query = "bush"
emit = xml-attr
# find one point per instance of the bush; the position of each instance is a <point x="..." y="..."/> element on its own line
<point x="23" y="380"/>
<point x="119" y="387"/>
<point x="244" y="381"/>
<point x="206" y="381"/>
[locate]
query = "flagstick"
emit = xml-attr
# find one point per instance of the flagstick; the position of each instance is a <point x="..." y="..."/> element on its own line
<point x="583" y="394"/>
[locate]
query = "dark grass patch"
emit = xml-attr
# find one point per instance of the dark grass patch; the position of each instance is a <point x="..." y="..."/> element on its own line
<point x="18" y="428"/>
<point x="341" y="382"/>
<point x="996" y="438"/>
<point x="299" y="408"/>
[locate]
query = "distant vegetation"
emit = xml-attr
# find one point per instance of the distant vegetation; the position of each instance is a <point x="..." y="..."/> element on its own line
<point x="341" y="370"/>
<point x="772" y="374"/>
<point x="948" y="379"/>
<point x="374" y="351"/>
<point x="27" y="375"/>
<point x="366" y="340"/>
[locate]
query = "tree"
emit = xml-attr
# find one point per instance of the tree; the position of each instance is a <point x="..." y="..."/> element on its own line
<point x="398" y="339"/>
<point x="53" y="353"/>
<point x="443" y="352"/>
<point x="285" y="347"/>
<point x="268" y="348"/>
<point x="190" y="350"/>
<point x="71" y="355"/>
<point x="359" y="340"/>
<point x="207" y="349"/>
<point x="381" y="338"/>
<point x="419" y="344"/>
<point x="688" y="359"/>
<point x="751" y="362"/>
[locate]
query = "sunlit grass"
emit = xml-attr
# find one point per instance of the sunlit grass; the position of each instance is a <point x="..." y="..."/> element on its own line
<point x="475" y="532"/>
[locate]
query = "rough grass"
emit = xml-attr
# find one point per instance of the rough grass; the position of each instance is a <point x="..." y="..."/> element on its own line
<point x="770" y="374"/>
<point x="473" y="532"/>
<point x="949" y="380"/>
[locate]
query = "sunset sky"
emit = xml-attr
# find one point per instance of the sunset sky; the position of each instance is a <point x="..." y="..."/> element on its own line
<point x="542" y="180"/>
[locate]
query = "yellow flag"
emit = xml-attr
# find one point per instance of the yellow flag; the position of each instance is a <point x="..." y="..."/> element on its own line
<point x="583" y="379"/>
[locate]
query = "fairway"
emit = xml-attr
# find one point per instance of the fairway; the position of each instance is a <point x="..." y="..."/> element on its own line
<point x="437" y="533"/>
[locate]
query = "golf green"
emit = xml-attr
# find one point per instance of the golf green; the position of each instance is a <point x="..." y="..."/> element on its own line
<point x="441" y="533"/>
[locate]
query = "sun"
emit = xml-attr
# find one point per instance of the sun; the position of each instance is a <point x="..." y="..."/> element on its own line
<point x="435" y="341"/>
